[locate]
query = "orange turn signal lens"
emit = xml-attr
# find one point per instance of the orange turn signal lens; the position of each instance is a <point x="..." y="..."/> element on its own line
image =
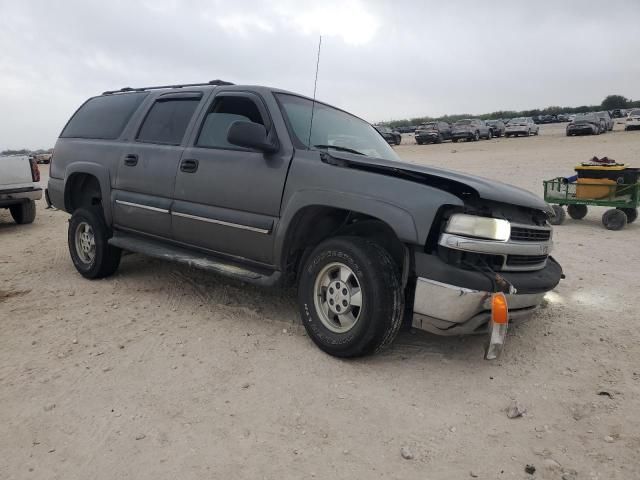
<point x="499" y="309"/>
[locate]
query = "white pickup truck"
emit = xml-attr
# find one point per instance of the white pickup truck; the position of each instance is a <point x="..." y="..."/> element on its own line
<point x="19" y="188"/>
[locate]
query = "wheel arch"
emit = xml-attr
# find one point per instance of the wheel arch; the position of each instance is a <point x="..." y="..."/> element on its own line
<point x="87" y="184"/>
<point x="301" y="230"/>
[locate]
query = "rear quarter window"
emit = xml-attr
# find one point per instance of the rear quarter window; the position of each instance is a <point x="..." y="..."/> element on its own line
<point x="167" y="121"/>
<point x="103" y="117"/>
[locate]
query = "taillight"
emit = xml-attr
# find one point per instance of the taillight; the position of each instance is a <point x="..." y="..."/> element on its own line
<point x="35" y="171"/>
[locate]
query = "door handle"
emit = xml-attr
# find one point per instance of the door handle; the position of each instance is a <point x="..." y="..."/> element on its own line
<point x="189" y="165"/>
<point x="131" y="160"/>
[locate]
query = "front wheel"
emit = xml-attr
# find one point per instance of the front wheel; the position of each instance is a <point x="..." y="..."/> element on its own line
<point x="454" y="140"/>
<point x="87" y="237"/>
<point x="476" y="136"/>
<point x="350" y="297"/>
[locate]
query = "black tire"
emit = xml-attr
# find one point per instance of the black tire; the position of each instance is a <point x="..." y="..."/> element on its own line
<point x="577" y="212"/>
<point x="499" y="134"/>
<point x="614" y="219"/>
<point x="528" y="133"/>
<point x="476" y="136"/>
<point x="382" y="302"/>
<point x="558" y="216"/>
<point x="419" y="142"/>
<point x="106" y="258"/>
<point x="24" y="212"/>
<point x="439" y="139"/>
<point x="537" y="132"/>
<point x="454" y="140"/>
<point x="631" y="213"/>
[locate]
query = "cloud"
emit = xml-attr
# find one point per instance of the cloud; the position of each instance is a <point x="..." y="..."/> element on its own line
<point x="381" y="60"/>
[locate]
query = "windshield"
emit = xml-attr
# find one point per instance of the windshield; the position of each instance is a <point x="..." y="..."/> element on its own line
<point x="333" y="128"/>
<point x="518" y="120"/>
<point x="585" y="117"/>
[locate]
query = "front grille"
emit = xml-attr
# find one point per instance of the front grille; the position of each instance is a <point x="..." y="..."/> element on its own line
<point x="524" y="234"/>
<point x="525" y="260"/>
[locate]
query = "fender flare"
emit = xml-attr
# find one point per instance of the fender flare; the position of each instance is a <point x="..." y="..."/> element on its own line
<point x="101" y="173"/>
<point x="399" y="219"/>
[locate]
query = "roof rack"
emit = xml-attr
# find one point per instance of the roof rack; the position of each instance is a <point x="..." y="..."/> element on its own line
<point x="142" y="89"/>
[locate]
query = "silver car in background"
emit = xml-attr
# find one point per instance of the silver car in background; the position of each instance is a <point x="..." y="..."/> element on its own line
<point x="608" y="121"/>
<point x="521" y="126"/>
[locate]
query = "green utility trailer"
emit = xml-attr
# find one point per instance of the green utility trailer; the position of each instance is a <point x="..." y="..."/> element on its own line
<point x="623" y="200"/>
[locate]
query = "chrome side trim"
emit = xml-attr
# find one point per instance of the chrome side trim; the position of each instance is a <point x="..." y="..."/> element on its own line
<point x="492" y="247"/>
<point x="221" y="222"/>
<point x="144" y="207"/>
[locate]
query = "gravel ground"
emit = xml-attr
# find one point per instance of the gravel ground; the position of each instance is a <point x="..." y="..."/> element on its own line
<point x="168" y="372"/>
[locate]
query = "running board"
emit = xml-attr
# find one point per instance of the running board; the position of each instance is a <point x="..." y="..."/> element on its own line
<point x="164" y="251"/>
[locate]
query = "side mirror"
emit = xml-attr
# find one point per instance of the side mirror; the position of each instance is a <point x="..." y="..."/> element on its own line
<point x="250" y="135"/>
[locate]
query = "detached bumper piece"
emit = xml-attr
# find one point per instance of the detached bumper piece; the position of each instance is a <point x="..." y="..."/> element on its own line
<point x="445" y="309"/>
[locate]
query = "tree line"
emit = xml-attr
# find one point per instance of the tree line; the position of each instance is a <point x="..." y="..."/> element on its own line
<point x="611" y="102"/>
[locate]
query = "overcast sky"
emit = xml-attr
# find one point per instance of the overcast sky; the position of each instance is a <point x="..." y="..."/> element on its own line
<point x="380" y="60"/>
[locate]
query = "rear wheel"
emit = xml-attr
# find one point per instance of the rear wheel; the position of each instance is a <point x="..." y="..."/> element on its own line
<point x="350" y="297"/>
<point x="614" y="219"/>
<point x="87" y="237"/>
<point x="558" y="216"/>
<point x="476" y="136"/>
<point x="24" y="212"/>
<point x="631" y="213"/>
<point x="577" y="212"/>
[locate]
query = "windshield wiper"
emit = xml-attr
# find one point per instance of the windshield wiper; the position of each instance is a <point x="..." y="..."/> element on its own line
<point x="342" y="149"/>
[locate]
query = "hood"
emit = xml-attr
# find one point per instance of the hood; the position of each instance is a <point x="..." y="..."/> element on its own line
<point x="461" y="182"/>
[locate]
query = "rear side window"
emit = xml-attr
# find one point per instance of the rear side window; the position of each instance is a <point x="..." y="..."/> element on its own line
<point x="103" y="117"/>
<point x="167" y="121"/>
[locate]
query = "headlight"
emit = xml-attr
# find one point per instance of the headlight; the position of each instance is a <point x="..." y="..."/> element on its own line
<point x="482" y="227"/>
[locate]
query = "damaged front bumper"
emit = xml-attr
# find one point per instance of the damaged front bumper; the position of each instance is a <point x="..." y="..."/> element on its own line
<point x="453" y="301"/>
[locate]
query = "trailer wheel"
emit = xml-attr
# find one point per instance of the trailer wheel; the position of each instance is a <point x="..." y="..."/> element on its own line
<point x="558" y="216"/>
<point x="614" y="219"/>
<point x="577" y="212"/>
<point x="631" y="213"/>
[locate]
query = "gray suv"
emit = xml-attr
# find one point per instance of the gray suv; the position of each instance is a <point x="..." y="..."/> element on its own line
<point x="274" y="188"/>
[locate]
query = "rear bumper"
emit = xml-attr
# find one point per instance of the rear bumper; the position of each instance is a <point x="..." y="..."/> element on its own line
<point x="516" y="132"/>
<point x="12" y="197"/>
<point x="427" y="137"/>
<point x="458" y="135"/>
<point x="454" y="301"/>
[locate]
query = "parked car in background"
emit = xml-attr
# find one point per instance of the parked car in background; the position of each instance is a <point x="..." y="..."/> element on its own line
<point x="521" y="126"/>
<point x="585" y="124"/>
<point x="43" y="158"/>
<point x="433" y="132"/>
<point x="563" y="117"/>
<point x="19" y="189"/>
<point x="606" y="118"/>
<point x="404" y="129"/>
<point x="470" y="129"/>
<point x="393" y="137"/>
<point x="633" y="120"/>
<point x="617" y="113"/>
<point x="497" y="127"/>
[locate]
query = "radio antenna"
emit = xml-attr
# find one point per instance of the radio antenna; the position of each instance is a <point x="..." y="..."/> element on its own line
<point x="315" y="86"/>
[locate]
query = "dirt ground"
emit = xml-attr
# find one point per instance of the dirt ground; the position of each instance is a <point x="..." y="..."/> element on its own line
<point x="167" y="372"/>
